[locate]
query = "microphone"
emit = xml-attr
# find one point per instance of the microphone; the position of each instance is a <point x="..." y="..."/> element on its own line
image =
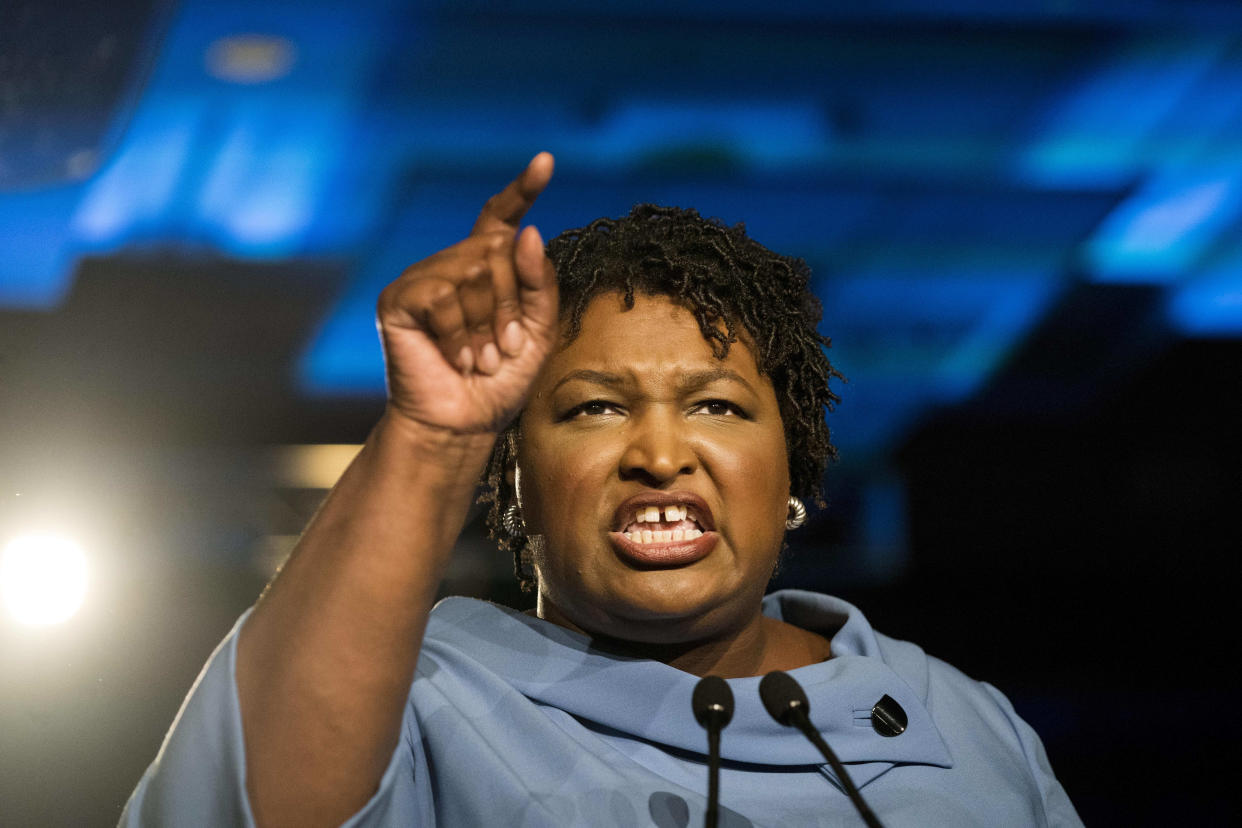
<point x="712" y="703"/>
<point x="786" y="701"/>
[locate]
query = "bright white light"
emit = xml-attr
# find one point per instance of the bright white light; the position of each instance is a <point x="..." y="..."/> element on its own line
<point x="43" y="579"/>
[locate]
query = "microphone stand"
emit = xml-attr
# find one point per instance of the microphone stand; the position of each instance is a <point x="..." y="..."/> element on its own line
<point x="802" y="721"/>
<point x="713" y="778"/>
<point x="786" y="702"/>
<point x="713" y="709"/>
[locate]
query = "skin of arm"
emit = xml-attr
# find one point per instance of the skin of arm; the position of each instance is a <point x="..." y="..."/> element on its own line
<point x="325" y="661"/>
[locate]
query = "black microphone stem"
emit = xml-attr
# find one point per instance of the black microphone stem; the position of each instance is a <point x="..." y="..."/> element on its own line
<point x="713" y="777"/>
<point x="799" y="719"/>
<point x="712" y="703"/>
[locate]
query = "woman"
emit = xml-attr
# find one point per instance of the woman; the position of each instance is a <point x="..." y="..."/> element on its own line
<point x="654" y="424"/>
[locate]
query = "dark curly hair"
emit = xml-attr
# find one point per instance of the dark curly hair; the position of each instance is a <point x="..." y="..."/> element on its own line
<point x="727" y="280"/>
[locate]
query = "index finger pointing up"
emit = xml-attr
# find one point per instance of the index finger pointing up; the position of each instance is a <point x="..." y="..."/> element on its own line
<point x="504" y="210"/>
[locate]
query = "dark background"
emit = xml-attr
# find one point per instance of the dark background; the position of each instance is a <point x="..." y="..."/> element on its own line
<point x="1022" y="218"/>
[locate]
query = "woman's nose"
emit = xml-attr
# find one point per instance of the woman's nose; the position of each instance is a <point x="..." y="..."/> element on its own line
<point x="657" y="449"/>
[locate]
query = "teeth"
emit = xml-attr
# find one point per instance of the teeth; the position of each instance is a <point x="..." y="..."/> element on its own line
<point x="651" y="514"/>
<point x="647" y="514"/>
<point x="663" y="535"/>
<point x="671" y="514"/>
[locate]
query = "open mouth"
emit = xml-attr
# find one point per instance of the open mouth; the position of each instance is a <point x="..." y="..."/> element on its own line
<point x="660" y="529"/>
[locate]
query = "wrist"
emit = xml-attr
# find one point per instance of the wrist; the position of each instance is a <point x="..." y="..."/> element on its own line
<point x="431" y="444"/>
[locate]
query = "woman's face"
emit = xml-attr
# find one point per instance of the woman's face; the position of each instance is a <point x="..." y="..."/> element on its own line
<point x="633" y="417"/>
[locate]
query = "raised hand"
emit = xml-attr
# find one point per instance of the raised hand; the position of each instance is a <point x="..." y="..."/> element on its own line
<point x="465" y="330"/>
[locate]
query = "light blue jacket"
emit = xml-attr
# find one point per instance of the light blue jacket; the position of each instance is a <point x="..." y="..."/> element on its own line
<point x="515" y="721"/>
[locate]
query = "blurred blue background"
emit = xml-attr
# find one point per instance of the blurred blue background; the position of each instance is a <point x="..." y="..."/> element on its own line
<point x="1023" y="219"/>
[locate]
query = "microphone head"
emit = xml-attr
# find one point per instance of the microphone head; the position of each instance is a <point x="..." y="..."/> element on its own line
<point x="782" y="696"/>
<point x="712" y="702"/>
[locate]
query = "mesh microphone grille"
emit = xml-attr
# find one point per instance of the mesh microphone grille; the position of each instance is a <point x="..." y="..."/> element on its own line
<point x="781" y="694"/>
<point x="712" y="691"/>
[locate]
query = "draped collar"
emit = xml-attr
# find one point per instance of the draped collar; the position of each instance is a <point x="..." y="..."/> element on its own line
<point x="650" y="700"/>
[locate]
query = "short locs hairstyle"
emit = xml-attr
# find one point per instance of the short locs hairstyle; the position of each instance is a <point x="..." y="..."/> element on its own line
<point x="730" y="283"/>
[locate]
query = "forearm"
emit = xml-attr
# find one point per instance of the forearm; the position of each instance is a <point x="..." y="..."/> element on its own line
<point x="326" y="659"/>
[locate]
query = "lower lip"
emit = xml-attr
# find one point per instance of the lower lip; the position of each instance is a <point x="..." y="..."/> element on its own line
<point x="669" y="554"/>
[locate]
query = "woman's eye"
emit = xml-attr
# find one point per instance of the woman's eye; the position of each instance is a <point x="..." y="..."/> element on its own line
<point x="593" y="408"/>
<point x="718" y="408"/>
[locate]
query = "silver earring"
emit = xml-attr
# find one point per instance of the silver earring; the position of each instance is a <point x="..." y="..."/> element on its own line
<point x="512" y="521"/>
<point x="532" y="545"/>
<point x="797" y="513"/>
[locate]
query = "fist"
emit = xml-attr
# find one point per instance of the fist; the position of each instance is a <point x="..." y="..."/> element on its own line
<point x="465" y="330"/>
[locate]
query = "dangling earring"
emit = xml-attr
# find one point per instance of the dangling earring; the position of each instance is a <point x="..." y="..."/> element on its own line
<point x="516" y="527"/>
<point x="512" y="521"/>
<point x="797" y="513"/>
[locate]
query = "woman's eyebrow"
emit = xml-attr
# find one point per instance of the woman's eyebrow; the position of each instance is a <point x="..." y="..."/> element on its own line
<point x="690" y="381"/>
<point x="587" y="375"/>
<point x="694" y="380"/>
